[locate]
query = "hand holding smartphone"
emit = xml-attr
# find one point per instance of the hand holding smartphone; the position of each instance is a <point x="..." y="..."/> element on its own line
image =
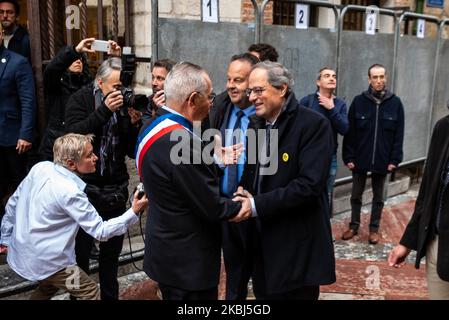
<point x="159" y="98"/>
<point x="100" y="45"/>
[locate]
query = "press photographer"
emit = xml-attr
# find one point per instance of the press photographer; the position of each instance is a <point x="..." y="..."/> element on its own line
<point x="130" y="100"/>
<point x="103" y="108"/>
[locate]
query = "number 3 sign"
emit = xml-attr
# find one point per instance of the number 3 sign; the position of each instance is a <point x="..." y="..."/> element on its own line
<point x="209" y="10"/>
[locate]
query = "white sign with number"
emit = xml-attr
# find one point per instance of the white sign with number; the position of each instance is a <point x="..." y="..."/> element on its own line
<point x="210" y="10"/>
<point x="370" y="23"/>
<point x="302" y="16"/>
<point x="420" y="28"/>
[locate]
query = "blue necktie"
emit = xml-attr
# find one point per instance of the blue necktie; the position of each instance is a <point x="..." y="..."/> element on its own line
<point x="233" y="178"/>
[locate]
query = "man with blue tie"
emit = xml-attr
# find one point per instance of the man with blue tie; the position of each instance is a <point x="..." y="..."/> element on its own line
<point x="230" y="114"/>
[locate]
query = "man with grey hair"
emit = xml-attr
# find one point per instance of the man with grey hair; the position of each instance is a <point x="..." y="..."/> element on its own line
<point x="294" y="251"/>
<point x="98" y="109"/>
<point x="44" y="214"/>
<point x="333" y="108"/>
<point x="183" y="241"/>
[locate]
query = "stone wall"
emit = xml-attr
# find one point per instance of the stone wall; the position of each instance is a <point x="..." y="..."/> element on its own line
<point x="185" y="9"/>
<point x="248" y="12"/>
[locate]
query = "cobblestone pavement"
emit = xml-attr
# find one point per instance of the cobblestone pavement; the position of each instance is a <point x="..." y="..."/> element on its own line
<point x="362" y="270"/>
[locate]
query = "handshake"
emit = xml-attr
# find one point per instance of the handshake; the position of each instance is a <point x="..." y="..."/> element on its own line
<point x="245" y="212"/>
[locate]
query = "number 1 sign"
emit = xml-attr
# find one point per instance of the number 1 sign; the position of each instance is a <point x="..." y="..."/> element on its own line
<point x="209" y="10"/>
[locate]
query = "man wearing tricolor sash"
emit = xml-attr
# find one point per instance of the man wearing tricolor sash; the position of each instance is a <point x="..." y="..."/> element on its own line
<point x="183" y="235"/>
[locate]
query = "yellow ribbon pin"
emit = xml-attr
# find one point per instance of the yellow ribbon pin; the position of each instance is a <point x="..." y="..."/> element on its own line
<point x="285" y="157"/>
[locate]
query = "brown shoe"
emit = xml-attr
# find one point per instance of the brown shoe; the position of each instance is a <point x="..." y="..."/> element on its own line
<point x="348" y="234"/>
<point x="373" y="238"/>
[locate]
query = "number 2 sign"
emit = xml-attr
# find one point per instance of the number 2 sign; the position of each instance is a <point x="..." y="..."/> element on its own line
<point x="302" y="16"/>
<point x="209" y="10"/>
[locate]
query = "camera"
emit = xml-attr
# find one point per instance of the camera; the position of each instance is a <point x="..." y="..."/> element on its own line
<point x="141" y="190"/>
<point x="130" y="100"/>
<point x="140" y="193"/>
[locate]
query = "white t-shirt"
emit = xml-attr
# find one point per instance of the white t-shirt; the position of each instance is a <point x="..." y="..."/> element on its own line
<point x="6" y="39"/>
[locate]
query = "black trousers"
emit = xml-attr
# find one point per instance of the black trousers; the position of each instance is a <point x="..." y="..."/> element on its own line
<point x="174" y="293"/>
<point x="259" y="285"/>
<point x="358" y="186"/>
<point x="108" y="258"/>
<point x="13" y="168"/>
<point x="238" y="253"/>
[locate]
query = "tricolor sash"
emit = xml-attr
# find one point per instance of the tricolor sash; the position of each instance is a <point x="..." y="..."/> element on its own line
<point x="158" y="128"/>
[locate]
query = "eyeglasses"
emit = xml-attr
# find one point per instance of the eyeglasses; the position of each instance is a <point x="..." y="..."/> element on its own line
<point x="210" y="97"/>
<point x="256" y="90"/>
<point x="8" y="12"/>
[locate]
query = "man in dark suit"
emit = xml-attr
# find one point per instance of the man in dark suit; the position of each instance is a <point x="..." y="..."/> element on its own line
<point x="231" y="111"/>
<point x="17" y="119"/>
<point x="294" y="251"/>
<point x="183" y="241"/>
<point x="428" y="230"/>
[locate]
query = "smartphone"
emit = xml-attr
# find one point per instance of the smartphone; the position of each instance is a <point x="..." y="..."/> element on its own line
<point x="159" y="94"/>
<point x="100" y="45"/>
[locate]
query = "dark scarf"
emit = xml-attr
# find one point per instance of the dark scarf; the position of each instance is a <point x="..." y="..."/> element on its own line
<point x="110" y="136"/>
<point x="378" y="96"/>
<point x="74" y="81"/>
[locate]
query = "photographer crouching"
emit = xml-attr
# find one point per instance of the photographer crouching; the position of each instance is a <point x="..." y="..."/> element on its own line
<point x="99" y="109"/>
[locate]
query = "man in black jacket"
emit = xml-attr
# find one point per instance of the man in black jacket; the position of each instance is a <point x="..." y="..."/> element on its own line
<point x="183" y="241"/>
<point x="65" y="74"/>
<point x="98" y="109"/>
<point x="16" y="37"/>
<point x="373" y="144"/>
<point x="428" y="230"/>
<point x="294" y="251"/>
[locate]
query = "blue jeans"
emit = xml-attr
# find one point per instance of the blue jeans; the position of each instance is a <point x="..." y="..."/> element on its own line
<point x="332" y="175"/>
<point x="330" y="182"/>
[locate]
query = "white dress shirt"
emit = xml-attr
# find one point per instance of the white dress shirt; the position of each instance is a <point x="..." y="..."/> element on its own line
<point x="42" y="219"/>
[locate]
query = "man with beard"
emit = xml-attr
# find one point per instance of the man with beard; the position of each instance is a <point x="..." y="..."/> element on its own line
<point x="158" y="74"/>
<point x="373" y="144"/>
<point x="231" y="112"/>
<point x="16" y="38"/>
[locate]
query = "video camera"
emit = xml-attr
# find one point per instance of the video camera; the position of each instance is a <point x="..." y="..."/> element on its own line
<point x="131" y="100"/>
